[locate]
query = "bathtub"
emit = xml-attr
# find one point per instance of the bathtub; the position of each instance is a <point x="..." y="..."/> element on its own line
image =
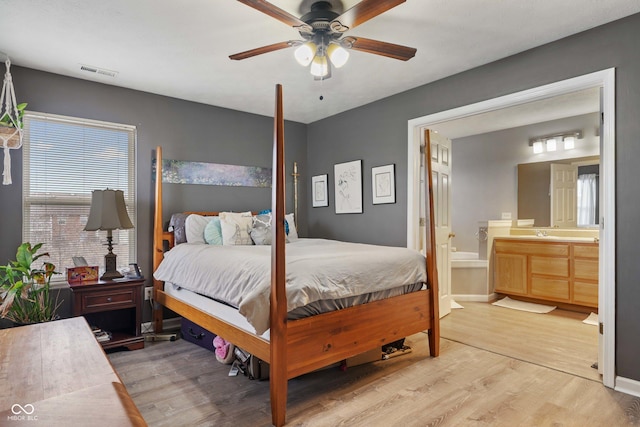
<point x="467" y="260"/>
<point x="469" y="278"/>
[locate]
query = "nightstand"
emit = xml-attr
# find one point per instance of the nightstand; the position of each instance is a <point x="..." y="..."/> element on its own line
<point x="113" y="306"/>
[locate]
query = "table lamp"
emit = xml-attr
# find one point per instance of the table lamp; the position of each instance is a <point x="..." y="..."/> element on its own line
<point x="108" y="212"/>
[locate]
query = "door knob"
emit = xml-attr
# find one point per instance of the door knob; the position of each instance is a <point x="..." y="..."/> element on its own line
<point x="452" y="235"/>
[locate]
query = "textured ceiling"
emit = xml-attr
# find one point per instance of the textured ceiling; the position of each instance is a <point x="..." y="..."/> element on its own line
<point x="181" y="49"/>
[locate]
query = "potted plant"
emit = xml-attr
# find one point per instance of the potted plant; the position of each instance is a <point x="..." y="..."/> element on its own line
<point x="25" y="291"/>
<point x="8" y="125"/>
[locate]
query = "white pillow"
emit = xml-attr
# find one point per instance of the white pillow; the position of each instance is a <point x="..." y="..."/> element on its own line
<point x="194" y="227"/>
<point x="236" y="228"/>
<point x="293" y="232"/>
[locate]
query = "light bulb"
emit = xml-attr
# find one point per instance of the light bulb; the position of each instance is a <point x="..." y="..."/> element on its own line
<point x="337" y="54"/>
<point x="569" y="142"/>
<point x="551" y="144"/>
<point x="319" y="66"/>
<point x="305" y="53"/>
<point x="538" y="147"/>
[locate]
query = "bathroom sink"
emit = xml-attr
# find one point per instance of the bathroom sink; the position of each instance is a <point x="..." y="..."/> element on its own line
<point x="564" y="238"/>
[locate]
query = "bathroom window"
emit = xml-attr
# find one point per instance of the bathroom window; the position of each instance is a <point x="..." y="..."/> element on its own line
<point x="588" y="197"/>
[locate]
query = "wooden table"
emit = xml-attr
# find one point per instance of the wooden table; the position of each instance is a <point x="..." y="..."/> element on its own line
<point x="57" y="373"/>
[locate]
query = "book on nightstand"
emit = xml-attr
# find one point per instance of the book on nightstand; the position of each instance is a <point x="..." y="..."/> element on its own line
<point x="101" y="336"/>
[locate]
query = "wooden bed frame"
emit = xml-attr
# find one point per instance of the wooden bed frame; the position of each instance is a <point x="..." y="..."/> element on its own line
<point x="300" y="346"/>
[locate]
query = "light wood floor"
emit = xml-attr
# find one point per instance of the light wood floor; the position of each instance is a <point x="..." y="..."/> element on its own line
<point x="180" y="384"/>
<point x="558" y="340"/>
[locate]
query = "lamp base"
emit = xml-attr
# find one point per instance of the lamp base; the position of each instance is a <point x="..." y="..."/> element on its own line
<point x="110" y="272"/>
<point x="111" y="275"/>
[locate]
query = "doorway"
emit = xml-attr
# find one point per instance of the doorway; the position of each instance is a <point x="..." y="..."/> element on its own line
<point x="603" y="79"/>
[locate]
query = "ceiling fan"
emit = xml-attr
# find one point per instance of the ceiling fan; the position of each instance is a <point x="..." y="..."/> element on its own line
<point x="323" y="30"/>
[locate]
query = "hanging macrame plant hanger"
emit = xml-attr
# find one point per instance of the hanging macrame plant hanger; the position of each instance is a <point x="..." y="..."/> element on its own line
<point x="10" y="124"/>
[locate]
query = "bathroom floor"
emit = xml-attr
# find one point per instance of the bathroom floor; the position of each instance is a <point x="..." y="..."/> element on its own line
<point x="557" y="340"/>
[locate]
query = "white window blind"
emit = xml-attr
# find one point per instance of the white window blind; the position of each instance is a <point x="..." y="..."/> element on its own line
<point x="65" y="159"/>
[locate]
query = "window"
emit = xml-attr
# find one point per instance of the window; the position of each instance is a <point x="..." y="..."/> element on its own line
<point x="64" y="160"/>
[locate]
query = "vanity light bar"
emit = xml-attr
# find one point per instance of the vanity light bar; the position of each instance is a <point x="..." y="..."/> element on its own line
<point x="550" y="141"/>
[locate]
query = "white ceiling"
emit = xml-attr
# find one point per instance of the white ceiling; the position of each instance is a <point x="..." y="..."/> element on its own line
<point x="558" y="107"/>
<point x="181" y="49"/>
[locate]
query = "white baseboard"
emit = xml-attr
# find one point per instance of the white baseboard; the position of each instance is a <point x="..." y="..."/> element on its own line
<point x="167" y="325"/>
<point x="628" y="386"/>
<point x="474" y="298"/>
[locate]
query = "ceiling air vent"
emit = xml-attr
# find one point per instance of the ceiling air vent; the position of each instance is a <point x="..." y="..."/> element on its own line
<point x="96" y="70"/>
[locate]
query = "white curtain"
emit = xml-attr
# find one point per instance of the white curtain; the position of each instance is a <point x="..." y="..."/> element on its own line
<point x="587" y="199"/>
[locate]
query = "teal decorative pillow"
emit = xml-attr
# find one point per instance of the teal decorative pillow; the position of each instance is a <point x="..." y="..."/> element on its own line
<point x="213" y="232"/>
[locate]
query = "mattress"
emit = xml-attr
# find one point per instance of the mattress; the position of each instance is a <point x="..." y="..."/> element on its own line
<point x="322" y="275"/>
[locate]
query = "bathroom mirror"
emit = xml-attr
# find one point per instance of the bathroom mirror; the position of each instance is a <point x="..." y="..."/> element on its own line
<point x="534" y="198"/>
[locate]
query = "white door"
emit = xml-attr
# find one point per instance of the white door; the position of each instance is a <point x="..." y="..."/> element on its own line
<point x="564" y="190"/>
<point x="441" y="181"/>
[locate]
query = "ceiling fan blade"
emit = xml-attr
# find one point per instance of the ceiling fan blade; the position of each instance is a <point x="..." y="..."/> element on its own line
<point x="376" y="47"/>
<point x="261" y="50"/>
<point x="279" y="14"/>
<point x="361" y="13"/>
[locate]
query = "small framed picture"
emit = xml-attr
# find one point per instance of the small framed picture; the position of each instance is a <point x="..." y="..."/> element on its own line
<point x="319" y="191"/>
<point x="383" y="184"/>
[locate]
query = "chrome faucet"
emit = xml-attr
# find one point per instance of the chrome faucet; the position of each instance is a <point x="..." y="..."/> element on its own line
<point x="541" y="233"/>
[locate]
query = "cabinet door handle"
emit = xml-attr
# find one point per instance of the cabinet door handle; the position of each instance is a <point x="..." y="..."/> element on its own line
<point x="108" y="299"/>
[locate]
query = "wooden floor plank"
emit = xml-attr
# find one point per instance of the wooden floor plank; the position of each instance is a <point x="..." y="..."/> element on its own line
<point x="557" y="340"/>
<point x="180" y="384"/>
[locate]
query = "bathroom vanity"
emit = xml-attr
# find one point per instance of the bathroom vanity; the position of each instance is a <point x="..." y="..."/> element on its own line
<point x="547" y="268"/>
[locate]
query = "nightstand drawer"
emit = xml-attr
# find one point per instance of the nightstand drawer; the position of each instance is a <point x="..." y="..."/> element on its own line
<point x="109" y="300"/>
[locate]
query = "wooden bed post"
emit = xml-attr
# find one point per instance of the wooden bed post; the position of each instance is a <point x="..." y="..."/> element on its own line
<point x="158" y="243"/>
<point x="432" y="269"/>
<point x="278" y="307"/>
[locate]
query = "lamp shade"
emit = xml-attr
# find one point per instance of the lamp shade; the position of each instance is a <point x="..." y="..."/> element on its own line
<point x="551" y="144"/>
<point x="569" y="142"/>
<point x="538" y="147"/>
<point x="337" y="54"/>
<point x="319" y="66"/>
<point x="108" y="211"/>
<point x="305" y="53"/>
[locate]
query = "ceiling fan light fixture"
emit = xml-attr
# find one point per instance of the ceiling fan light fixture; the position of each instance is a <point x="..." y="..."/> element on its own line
<point x="319" y="66"/>
<point x="305" y="53"/>
<point x="337" y="54"/>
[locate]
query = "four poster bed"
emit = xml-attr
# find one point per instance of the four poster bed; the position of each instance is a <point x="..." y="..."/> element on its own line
<point x="295" y="347"/>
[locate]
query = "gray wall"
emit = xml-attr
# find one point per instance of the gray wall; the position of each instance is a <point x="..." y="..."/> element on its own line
<point x="484" y="173"/>
<point x="185" y="130"/>
<point x="377" y="133"/>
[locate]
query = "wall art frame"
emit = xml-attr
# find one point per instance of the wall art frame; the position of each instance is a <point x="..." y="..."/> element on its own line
<point x="348" y="187"/>
<point x="320" y="190"/>
<point x="383" y="184"/>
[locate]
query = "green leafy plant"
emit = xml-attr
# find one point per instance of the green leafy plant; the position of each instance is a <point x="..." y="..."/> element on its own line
<point x="5" y="120"/>
<point x="25" y="291"/>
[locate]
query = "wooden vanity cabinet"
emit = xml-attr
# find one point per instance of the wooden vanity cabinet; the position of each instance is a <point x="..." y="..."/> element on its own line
<point x="585" y="272"/>
<point x="559" y="271"/>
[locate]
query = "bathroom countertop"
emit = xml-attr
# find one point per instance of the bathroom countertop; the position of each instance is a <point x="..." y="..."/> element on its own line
<point x="552" y="238"/>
